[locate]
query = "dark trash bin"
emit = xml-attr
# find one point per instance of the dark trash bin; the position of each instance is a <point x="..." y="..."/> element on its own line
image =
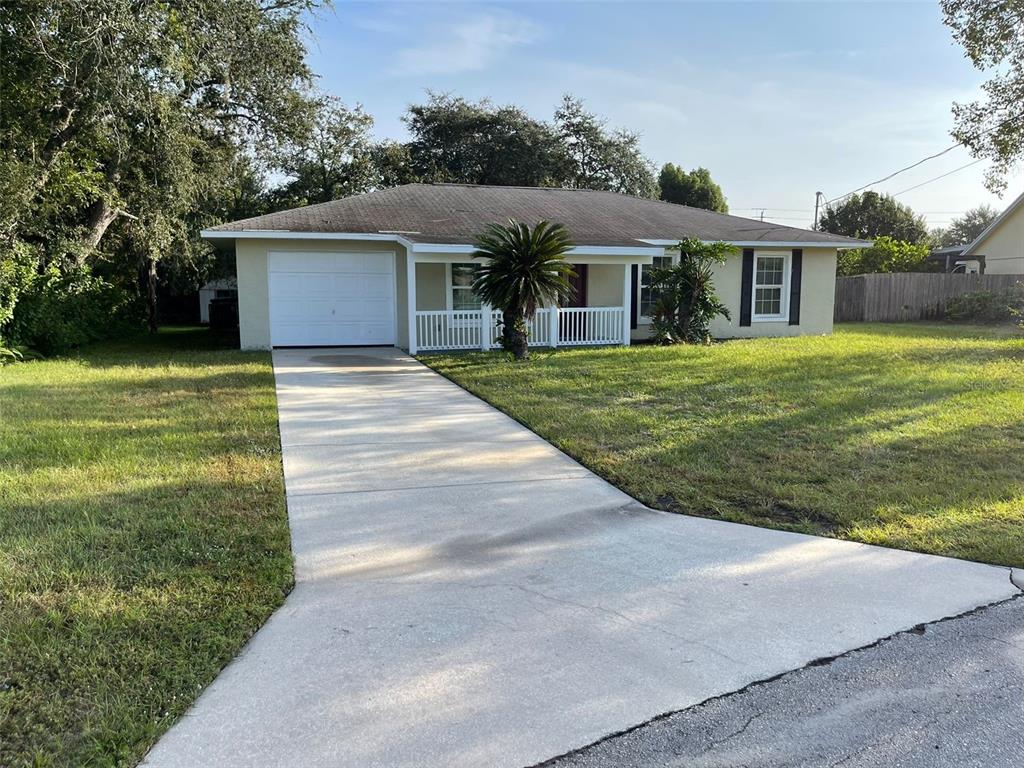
<point x="224" y="314"/>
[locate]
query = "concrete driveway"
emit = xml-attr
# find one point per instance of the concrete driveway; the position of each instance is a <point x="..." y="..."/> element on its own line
<point x="468" y="596"/>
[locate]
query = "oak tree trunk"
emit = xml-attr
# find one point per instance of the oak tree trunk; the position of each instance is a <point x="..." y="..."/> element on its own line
<point x="100" y="216"/>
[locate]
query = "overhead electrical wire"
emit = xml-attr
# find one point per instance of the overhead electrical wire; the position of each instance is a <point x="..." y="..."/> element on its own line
<point x="924" y="160"/>
<point x="942" y="176"/>
<point x="894" y="173"/>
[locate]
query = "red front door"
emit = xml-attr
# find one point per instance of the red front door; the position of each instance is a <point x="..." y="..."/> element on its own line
<point x="579" y="287"/>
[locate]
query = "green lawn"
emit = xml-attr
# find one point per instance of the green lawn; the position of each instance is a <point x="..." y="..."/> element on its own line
<point x="143" y="539"/>
<point x="908" y="436"/>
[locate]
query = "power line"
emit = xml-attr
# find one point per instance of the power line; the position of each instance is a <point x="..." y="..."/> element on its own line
<point x="944" y="175"/>
<point x="764" y="208"/>
<point x="925" y="159"/>
<point x="895" y="173"/>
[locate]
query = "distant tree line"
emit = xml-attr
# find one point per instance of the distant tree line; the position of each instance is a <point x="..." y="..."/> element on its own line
<point x="456" y="140"/>
<point x="901" y="239"/>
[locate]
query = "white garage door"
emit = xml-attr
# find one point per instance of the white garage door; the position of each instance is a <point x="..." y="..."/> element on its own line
<point x="331" y="299"/>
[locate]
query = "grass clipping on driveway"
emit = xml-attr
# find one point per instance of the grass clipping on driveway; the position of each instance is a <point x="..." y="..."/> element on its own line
<point x="908" y="436"/>
<point x="144" y="539"/>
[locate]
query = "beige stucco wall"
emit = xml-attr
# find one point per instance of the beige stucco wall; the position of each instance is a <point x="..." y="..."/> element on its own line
<point x="1003" y="249"/>
<point x="604" y="285"/>
<point x="253" y="290"/>
<point x="604" y="288"/>
<point x="431" y="287"/>
<point x="817" y="299"/>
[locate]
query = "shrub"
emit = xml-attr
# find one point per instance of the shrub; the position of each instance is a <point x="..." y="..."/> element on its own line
<point x="17" y="270"/>
<point x="886" y="255"/>
<point x="988" y="306"/>
<point x="686" y="299"/>
<point x="57" y="312"/>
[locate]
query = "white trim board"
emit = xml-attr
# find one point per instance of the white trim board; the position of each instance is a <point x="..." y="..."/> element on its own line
<point x="771" y="244"/>
<point x="637" y="251"/>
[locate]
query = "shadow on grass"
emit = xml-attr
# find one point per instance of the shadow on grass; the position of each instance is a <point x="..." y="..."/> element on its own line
<point x="143" y="539"/>
<point x="862" y="437"/>
<point x="118" y="608"/>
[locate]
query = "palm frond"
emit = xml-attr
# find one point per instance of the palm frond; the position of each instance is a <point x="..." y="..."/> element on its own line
<point x="524" y="267"/>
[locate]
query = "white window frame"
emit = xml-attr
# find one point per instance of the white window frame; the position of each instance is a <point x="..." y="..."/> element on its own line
<point x="642" y="319"/>
<point x="449" y="293"/>
<point x="787" y="264"/>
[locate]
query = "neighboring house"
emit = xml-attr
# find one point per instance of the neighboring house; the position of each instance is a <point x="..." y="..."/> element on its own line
<point x="1000" y="248"/>
<point x="226" y="288"/>
<point x="948" y="259"/>
<point x="394" y="267"/>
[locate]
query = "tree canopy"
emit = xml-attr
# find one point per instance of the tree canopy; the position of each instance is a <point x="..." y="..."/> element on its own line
<point x="696" y="188"/>
<point x="477" y="143"/>
<point x="456" y="140"/>
<point x="963" y="230"/>
<point x="334" y="159"/>
<point x="992" y="35"/>
<point x="871" y="215"/>
<point x="122" y="122"/>
<point x="599" y="158"/>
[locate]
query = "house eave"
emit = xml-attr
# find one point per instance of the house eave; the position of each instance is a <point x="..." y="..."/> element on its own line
<point x="628" y="251"/>
<point x="772" y="243"/>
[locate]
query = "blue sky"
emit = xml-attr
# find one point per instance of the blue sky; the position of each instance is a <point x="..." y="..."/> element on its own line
<point x="777" y="100"/>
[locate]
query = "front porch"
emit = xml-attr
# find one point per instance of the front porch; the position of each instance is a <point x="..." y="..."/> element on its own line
<point x="446" y="315"/>
<point x="550" y="327"/>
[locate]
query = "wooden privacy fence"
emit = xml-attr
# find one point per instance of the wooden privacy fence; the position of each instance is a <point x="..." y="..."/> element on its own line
<point x="909" y="295"/>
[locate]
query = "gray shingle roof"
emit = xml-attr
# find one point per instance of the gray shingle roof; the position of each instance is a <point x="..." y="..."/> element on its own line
<point x="458" y="213"/>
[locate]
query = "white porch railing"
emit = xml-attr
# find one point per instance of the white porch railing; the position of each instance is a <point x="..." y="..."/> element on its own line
<point x="454" y="329"/>
<point x="550" y="327"/>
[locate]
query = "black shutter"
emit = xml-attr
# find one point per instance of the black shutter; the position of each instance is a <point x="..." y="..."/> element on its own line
<point x="794" y="286"/>
<point x="634" y="310"/>
<point x="746" y="286"/>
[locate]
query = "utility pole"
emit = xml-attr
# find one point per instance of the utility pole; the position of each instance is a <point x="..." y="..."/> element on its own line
<point x="817" y="199"/>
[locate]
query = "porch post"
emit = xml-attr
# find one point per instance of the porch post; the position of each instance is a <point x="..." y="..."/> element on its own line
<point x="410" y="298"/>
<point x="627" y="302"/>
<point x="553" y="326"/>
<point x="485" y="327"/>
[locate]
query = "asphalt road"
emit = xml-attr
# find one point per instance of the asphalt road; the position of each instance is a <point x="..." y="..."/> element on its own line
<point x="946" y="694"/>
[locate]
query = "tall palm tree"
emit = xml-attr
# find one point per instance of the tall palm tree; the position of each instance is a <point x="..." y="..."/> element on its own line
<point x="525" y="268"/>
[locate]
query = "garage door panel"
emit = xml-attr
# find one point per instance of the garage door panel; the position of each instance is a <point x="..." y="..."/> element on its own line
<point x="304" y="310"/>
<point x="345" y="286"/>
<point x="331" y="298"/>
<point x="374" y="265"/>
<point x="284" y="285"/>
<point x="377" y="286"/>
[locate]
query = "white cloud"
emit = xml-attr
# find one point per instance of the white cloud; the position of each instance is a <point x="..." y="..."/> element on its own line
<point x="468" y="45"/>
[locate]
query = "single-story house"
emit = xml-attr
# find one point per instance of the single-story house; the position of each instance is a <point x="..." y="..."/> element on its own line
<point x="1000" y="248"/>
<point x="395" y="267"/>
